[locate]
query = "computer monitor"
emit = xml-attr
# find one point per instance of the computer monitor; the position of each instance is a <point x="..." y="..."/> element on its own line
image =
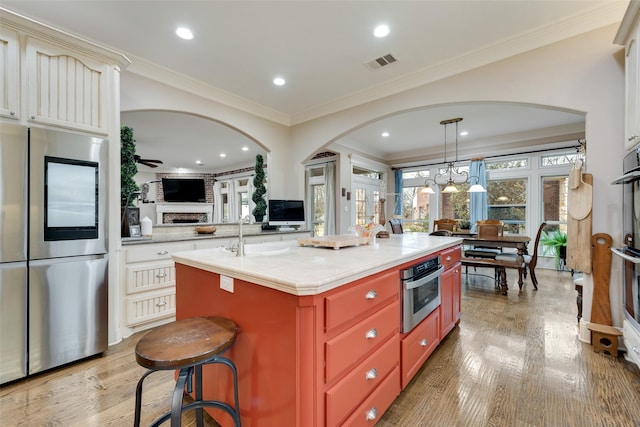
<point x="286" y="213"/>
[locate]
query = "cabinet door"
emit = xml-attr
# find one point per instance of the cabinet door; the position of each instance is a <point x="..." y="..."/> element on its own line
<point x="632" y="97"/>
<point x="9" y="82"/>
<point x="65" y="89"/>
<point x="446" y="302"/>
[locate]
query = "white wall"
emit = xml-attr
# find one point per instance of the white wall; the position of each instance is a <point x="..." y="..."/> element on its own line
<point x="584" y="73"/>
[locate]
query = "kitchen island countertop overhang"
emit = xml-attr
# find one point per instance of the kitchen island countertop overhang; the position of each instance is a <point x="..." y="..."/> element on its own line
<point x="304" y="270"/>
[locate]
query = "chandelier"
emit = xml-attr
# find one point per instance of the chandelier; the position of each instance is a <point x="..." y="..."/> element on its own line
<point x="452" y="175"/>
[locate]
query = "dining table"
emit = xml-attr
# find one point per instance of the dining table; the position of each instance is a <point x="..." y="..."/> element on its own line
<point x="517" y="241"/>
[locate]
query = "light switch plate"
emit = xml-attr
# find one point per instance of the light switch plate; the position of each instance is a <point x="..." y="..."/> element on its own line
<point x="226" y="283"/>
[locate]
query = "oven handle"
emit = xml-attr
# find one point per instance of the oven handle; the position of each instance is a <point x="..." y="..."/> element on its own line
<point x="412" y="284"/>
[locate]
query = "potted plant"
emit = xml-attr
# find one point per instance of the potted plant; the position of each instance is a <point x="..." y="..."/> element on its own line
<point x="128" y="186"/>
<point x="554" y="243"/>
<point x="259" y="190"/>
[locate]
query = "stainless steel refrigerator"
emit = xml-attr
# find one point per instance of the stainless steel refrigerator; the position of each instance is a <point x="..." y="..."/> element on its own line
<point x="53" y="252"/>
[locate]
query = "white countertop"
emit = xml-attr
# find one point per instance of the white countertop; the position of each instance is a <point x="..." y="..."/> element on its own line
<point x="306" y="270"/>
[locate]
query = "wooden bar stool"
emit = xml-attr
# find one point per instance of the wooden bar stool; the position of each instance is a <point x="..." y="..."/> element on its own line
<point x="186" y="345"/>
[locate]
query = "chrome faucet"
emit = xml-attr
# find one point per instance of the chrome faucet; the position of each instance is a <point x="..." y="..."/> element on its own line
<point x="245" y="220"/>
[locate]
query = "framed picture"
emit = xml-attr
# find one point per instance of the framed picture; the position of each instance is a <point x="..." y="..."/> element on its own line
<point x="134" y="231"/>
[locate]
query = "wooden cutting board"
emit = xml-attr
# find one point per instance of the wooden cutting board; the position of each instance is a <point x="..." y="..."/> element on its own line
<point x="579" y="238"/>
<point x="336" y="242"/>
<point x="601" y="253"/>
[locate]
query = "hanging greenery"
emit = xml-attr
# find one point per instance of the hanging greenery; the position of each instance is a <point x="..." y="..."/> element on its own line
<point x="259" y="190"/>
<point x="128" y="167"/>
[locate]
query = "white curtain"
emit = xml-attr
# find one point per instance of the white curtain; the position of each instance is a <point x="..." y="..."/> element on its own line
<point x="234" y="215"/>
<point x="250" y="195"/>
<point x="478" y="209"/>
<point x="329" y="199"/>
<point x="217" y="203"/>
<point x="308" y="212"/>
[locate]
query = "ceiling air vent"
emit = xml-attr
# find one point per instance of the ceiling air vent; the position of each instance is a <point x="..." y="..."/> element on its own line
<point x="378" y="63"/>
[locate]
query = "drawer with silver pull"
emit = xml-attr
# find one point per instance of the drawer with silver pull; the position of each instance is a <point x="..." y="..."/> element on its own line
<point x="151" y="306"/>
<point x="361" y="381"/>
<point x="346" y="349"/>
<point x="141" y="277"/>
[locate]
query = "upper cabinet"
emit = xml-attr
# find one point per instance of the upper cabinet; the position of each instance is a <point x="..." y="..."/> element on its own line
<point x="629" y="36"/>
<point x="51" y="78"/>
<point x="9" y="77"/>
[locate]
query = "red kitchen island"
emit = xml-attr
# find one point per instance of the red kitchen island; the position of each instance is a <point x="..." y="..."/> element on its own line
<point x="319" y="340"/>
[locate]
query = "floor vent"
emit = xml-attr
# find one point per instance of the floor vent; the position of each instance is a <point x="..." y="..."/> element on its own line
<point x="384" y="60"/>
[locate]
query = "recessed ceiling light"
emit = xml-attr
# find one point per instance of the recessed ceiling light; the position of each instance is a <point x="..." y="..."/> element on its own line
<point x="245" y="148"/>
<point x="184" y="33"/>
<point x="279" y="81"/>
<point x="198" y="162"/>
<point x="385" y="134"/>
<point x="464" y="133"/>
<point x="381" y="31"/>
<point x="223" y="155"/>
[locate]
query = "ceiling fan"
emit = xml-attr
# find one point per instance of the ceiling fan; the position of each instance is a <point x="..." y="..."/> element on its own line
<point x="147" y="162"/>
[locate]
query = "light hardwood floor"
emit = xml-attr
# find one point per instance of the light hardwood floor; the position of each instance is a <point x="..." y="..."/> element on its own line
<point x="513" y="361"/>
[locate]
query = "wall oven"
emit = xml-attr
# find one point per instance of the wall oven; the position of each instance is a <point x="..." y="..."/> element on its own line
<point x="420" y="291"/>
<point x="630" y="252"/>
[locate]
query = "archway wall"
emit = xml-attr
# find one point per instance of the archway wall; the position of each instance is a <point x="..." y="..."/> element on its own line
<point x="583" y="73"/>
<point x="141" y="93"/>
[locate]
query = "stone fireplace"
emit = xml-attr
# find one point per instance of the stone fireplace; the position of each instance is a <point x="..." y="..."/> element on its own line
<point x="184" y="213"/>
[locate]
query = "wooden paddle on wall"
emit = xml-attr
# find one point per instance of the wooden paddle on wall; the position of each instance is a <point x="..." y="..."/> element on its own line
<point x="601" y="262"/>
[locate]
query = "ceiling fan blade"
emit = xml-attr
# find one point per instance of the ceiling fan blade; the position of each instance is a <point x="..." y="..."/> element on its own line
<point x="147" y="162"/>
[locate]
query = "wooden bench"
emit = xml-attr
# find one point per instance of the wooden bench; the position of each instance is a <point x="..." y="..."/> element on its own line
<point x="499" y="265"/>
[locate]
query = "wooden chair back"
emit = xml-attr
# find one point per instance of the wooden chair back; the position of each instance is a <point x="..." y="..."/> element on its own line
<point x="396" y="226"/>
<point x="489" y="228"/>
<point x="534" y="252"/>
<point x="445" y="224"/>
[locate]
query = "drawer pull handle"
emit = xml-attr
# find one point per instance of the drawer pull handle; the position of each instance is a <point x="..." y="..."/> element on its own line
<point x="371" y="374"/>
<point x="424" y="342"/>
<point x="372" y="414"/>
<point x="448" y="258"/>
<point x="163" y="252"/>
<point x="161" y="304"/>
<point x="161" y="275"/>
<point x="632" y="137"/>
<point x="371" y="334"/>
<point x="372" y="294"/>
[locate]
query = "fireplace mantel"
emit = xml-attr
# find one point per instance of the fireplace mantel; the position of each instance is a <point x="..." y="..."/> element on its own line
<point x="182" y="208"/>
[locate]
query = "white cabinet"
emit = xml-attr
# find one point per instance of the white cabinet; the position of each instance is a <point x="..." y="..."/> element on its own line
<point x="52" y="78"/>
<point x="632" y="91"/>
<point x="629" y="36"/>
<point x="9" y="73"/>
<point x="65" y="89"/>
<point x="150" y="283"/>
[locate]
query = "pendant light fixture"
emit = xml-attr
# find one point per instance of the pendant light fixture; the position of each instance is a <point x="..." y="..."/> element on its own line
<point x="452" y="175"/>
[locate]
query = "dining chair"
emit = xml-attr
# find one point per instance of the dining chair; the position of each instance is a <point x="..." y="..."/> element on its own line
<point x="445" y="224"/>
<point x="487" y="229"/>
<point x="441" y="233"/>
<point x="530" y="259"/>
<point x="396" y="226"/>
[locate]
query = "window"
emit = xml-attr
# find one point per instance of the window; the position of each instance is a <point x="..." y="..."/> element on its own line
<point x="317" y="200"/>
<point x="554" y="200"/>
<point x="415" y="202"/>
<point x="508" y="164"/>
<point x="558" y="159"/>
<point x="507" y="201"/>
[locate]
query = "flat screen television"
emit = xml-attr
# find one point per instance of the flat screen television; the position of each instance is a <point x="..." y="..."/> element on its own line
<point x="189" y="190"/>
<point x="286" y="213"/>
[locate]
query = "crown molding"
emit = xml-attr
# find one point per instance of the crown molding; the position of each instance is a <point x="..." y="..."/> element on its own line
<point x="61" y="38"/>
<point x="597" y="17"/>
<point x="177" y="80"/>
